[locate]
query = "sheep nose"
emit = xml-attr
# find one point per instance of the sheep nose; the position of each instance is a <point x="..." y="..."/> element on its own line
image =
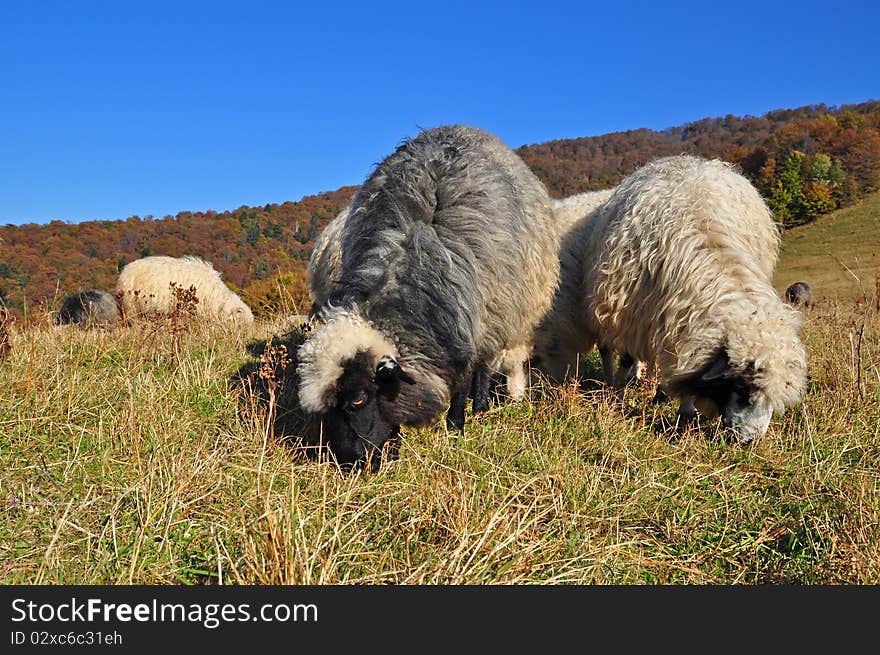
<point x="745" y="435"/>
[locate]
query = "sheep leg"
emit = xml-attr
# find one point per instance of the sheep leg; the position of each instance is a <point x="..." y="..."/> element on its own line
<point x="627" y="372"/>
<point x="687" y="413"/>
<point x="480" y="389"/>
<point x="616" y="374"/>
<point x="608" y="367"/>
<point x="634" y="370"/>
<point x="660" y="397"/>
<point x="455" y="415"/>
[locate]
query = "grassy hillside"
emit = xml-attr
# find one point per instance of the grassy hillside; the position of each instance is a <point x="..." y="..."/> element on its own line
<point x="127" y="457"/>
<point x="838" y="254"/>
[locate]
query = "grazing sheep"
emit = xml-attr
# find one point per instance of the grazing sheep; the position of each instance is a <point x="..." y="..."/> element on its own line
<point x="800" y="293"/>
<point x="447" y="265"/>
<point x="144" y="287"/>
<point x="560" y="341"/>
<point x="88" y="308"/>
<point x="677" y="271"/>
<point x="323" y="269"/>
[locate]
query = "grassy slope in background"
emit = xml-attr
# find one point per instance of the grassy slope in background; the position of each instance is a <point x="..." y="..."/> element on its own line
<point x="830" y="251"/>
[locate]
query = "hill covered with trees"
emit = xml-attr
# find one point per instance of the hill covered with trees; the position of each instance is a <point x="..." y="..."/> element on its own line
<point x="806" y="162"/>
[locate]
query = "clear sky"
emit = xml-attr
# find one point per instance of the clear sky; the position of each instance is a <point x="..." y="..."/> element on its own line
<point x="109" y="109"/>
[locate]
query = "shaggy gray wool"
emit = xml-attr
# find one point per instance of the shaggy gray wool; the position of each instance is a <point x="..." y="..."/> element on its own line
<point x="88" y="308"/>
<point x="448" y="252"/>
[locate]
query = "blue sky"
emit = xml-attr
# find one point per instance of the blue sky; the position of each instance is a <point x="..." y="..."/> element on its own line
<point x="110" y="109"/>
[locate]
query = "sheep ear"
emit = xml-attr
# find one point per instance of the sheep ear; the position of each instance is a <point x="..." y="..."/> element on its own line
<point x="389" y="375"/>
<point x="717" y="368"/>
<point x="388" y="369"/>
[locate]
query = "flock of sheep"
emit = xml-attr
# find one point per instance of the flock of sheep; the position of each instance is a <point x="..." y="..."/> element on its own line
<point x="452" y="268"/>
<point x="452" y="264"/>
<point x="144" y="287"/>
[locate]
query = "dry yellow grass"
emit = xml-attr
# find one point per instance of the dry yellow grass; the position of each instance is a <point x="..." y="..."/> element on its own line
<point x="127" y="457"/>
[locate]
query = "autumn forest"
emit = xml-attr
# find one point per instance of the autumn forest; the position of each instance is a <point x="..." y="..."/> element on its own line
<point x="806" y="162"/>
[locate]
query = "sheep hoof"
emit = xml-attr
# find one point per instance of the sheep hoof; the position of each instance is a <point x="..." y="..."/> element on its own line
<point x="454" y="423"/>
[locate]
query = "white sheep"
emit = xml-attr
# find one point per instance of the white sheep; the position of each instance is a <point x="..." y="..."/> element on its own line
<point x="559" y="340"/>
<point x="677" y="270"/>
<point x="144" y="287"/>
<point x="560" y="337"/>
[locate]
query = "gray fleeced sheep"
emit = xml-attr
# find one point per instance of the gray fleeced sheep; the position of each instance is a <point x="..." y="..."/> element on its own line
<point x="323" y="271"/>
<point x="144" y="287"/>
<point x="447" y="263"/>
<point x="677" y="270"/>
<point x="88" y="308"/>
<point x="799" y="293"/>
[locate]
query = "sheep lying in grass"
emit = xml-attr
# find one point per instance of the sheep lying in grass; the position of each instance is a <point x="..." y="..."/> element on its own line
<point x="88" y="308"/>
<point x="677" y="267"/>
<point x="447" y="263"/>
<point x="799" y="293"/>
<point x="145" y="286"/>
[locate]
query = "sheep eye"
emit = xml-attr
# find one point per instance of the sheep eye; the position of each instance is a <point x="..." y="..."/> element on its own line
<point x="358" y="401"/>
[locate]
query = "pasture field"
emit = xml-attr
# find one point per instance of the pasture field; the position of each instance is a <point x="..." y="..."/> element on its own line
<point x="126" y="456"/>
<point x="838" y="254"/>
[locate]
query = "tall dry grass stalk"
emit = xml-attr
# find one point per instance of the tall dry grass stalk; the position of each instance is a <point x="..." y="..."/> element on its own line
<point x="5" y="327"/>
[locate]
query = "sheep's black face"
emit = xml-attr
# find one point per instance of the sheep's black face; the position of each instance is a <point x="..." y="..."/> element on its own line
<point x="719" y="390"/>
<point x="357" y="429"/>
